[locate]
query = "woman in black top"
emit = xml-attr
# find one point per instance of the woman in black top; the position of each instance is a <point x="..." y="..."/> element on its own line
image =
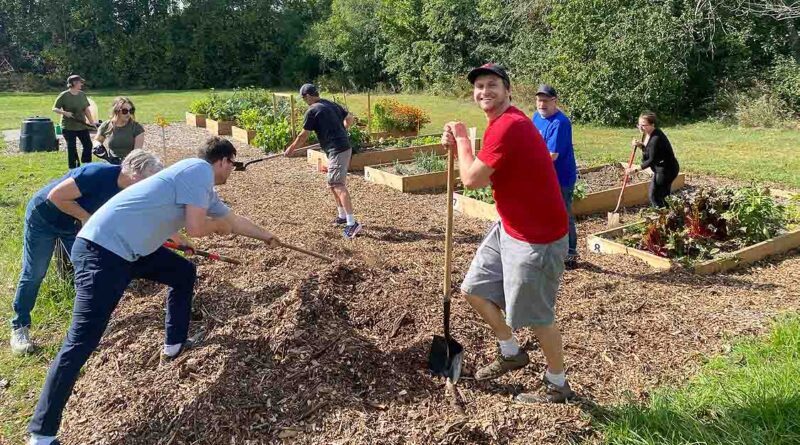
<point x="657" y="155"/>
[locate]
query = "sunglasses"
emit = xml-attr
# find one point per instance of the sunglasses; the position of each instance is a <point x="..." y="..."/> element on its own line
<point x="127" y="110"/>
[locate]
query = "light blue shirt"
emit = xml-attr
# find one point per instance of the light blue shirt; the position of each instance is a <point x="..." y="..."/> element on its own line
<point x="138" y="220"/>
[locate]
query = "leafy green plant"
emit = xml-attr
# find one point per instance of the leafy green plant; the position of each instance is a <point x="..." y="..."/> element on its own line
<point x="273" y="137"/>
<point x="359" y="138"/>
<point x="708" y="222"/>
<point x="251" y="118"/>
<point x="580" y="191"/>
<point x="482" y="194"/>
<point x="429" y="162"/>
<point x="200" y="106"/>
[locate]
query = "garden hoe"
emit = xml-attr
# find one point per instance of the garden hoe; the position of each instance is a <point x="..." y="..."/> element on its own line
<point x="304" y="251"/>
<point x="446" y="354"/>
<point x="242" y="166"/>
<point x="613" y="217"/>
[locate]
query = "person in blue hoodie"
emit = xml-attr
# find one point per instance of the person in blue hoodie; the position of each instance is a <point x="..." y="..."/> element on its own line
<point x="556" y="129"/>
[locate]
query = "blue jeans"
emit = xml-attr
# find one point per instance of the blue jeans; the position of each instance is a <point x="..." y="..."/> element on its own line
<point x="101" y="277"/>
<point x="566" y="194"/>
<point x="38" y="243"/>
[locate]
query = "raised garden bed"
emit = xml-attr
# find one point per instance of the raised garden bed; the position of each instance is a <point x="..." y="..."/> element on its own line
<point x="219" y="128"/>
<point x="601" y="185"/>
<point x="242" y="134"/>
<point x="195" y="120"/>
<point x="375" y="155"/>
<point x="705" y="233"/>
<point x="406" y="176"/>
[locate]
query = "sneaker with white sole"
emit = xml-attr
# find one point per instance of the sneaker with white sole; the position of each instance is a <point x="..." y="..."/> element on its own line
<point x="21" y="341"/>
<point x="351" y="230"/>
<point x="339" y="221"/>
<point x="551" y="393"/>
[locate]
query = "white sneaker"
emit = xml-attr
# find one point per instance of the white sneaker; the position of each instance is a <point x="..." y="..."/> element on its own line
<point x="21" y="341"/>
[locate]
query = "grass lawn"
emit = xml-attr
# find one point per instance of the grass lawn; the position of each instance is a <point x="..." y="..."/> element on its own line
<point x="20" y="176"/>
<point x="769" y="156"/>
<point x="751" y="396"/>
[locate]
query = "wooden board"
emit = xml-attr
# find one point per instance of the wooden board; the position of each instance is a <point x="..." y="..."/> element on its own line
<point x="406" y="184"/>
<point x="606" y="200"/>
<point x="240" y="134"/>
<point x="195" y="120"/>
<point x="219" y="128"/>
<point x="361" y="160"/>
<point x="603" y="243"/>
<point x="474" y="208"/>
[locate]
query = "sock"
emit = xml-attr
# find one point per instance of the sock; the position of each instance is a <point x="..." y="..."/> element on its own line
<point x="509" y="347"/>
<point x="172" y="350"/>
<point x="351" y="219"/>
<point x="37" y="439"/>
<point x="556" y="379"/>
<point x="341" y="211"/>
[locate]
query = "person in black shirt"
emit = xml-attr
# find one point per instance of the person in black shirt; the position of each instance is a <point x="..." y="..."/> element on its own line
<point x="330" y="121"/>
<point x="657" y="154"/>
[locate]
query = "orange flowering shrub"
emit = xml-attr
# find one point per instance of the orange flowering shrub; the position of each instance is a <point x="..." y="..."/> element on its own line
<point x="392" y="115"/>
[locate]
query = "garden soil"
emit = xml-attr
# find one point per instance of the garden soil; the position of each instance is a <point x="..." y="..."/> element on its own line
<point x="611" y="176"/>
<point x="297" y="351"/>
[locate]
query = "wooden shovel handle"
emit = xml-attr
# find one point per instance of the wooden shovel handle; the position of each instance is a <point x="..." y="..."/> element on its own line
<point x="625" y="180"/>
<point x="448" y="234"/>
<point x="202" y="253"/>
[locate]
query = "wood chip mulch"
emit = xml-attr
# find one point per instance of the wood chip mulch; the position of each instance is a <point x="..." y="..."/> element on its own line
<point x="298" y="351"/>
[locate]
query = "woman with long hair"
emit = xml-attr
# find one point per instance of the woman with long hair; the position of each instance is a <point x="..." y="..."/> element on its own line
<point x="120" y="134"/>
<point x="657" y="155"/>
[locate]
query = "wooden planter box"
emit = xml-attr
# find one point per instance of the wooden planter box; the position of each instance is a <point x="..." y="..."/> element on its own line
<point x="406" y="184"/>
<point x="473" y="207"/>
<point x="240" y="134"/>
<point x="196" y="120"/>
<point x="389" y="155"/>
<point x="603" y="243"/>
<point x="606" y="200"/>
<point x="219" y="128"/>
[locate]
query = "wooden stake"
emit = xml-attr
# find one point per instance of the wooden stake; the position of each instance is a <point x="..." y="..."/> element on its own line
<point x="294" y="131"/>
<point x="369" y="115"/>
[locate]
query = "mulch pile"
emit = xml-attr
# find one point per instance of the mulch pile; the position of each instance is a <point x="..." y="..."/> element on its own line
<point x="611" y="176"/>
<point x="298" y="351"/>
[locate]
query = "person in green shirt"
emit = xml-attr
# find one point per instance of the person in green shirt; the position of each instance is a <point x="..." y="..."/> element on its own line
<point x="120" y="134"/>
<point x="76" y="120"/>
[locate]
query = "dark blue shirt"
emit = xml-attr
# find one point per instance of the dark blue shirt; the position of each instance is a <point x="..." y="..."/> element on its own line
<point x="327" y="120"/>
<point x="97" y="183"/>
<point x="557" y="133"/>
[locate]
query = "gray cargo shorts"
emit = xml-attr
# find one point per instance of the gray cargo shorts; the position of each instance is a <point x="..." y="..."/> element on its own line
<point x="520" y="278"/>
<point x="337" y="167"/>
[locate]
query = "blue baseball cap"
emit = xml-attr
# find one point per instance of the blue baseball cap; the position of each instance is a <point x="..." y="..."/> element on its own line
<point x="309" y="89"/>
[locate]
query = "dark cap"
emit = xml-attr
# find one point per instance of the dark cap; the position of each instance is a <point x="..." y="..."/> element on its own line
<point x="489" y="68"/>
<point x="547" y="90"/>
<point x="309" y="89"/>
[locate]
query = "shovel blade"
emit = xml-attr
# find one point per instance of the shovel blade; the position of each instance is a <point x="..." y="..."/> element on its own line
<point x="613" y="220"/>
<point x="238" y="166"/>
<point x="445" y="357"/>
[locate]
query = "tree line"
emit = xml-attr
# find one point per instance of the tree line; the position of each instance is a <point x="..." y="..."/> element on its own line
<point x="610" y="59"/>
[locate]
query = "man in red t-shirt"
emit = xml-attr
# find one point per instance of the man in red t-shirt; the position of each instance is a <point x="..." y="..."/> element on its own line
<point x="518" y="266"/>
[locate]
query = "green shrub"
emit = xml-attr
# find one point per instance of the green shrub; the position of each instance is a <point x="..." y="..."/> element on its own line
<point x="761" y="108"/>
<point x="786" y="82"/>
<point x="250" y="118"/>
<point x="482" y="194"/>
<point x="273" y="137"/>
<point x="391" y="115"/>
<point x="200" y="106"/>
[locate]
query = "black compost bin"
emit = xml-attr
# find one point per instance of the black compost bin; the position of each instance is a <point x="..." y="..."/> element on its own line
<point x="37" y="134"/>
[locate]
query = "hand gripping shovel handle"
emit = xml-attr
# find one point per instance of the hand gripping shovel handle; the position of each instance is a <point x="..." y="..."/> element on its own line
<point x="202" y="253"/>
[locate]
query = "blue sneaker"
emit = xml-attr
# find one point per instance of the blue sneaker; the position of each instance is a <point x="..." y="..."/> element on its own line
<point x="351" y="230"/>
<point x="339" y="221"/>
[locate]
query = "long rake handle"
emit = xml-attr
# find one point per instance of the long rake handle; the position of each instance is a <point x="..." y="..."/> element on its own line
<point x="202" y="253"/>
<point x="625" y="180"/>
<point x="307" y="252"/>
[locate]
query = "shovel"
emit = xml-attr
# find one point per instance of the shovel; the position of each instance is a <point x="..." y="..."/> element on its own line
<point x="242" y="166"/>
<point x="304" y="251"/>
<point x="446" y="354"/>
<point x="613" y="217"/>
<point x="202" y="253"/>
